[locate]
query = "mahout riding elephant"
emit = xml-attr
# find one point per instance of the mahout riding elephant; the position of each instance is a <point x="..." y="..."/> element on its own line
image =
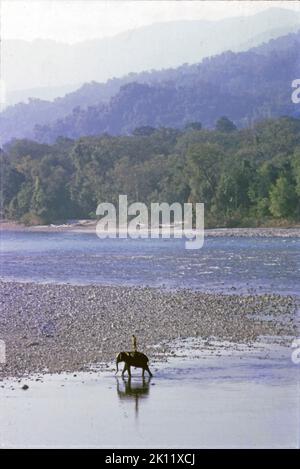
<point x="136" y="359"/>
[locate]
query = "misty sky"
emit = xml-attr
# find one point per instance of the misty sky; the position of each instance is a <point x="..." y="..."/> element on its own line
<point x="76" y="20"/>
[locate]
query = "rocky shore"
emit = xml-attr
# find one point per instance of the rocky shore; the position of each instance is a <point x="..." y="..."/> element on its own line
<point x="55" y="328"/>
<point x="89" y="226"/>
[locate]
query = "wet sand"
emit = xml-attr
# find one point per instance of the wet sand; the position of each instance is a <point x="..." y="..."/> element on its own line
<point x="204" y="399"/>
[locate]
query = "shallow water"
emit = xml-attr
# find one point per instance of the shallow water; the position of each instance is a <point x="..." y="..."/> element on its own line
<point x="233" y="400"/>
<point x="223" y="264"/>
<point x="211" y="402"/>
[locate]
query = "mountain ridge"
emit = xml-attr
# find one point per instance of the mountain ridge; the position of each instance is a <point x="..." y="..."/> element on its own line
<point x="245" y="86"/>
<point x="47" y="63"/>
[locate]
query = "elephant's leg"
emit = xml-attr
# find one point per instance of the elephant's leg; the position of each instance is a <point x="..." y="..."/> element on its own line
<point x="124" y="369"/>
<point x="128" y="370"/>
<point x="143" y="373"/>
<point x="150" y="374"/>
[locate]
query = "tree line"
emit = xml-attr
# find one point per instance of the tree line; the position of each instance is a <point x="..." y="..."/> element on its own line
<point x="247" y="177"/>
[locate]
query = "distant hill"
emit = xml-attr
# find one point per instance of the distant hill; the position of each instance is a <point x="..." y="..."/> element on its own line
<point x="244" y="86"/>
<point x="48" y="64"/>
<point x="43" y="93"/>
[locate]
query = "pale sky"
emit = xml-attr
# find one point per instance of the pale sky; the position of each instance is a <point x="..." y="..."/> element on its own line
<point x="76" y="20"/>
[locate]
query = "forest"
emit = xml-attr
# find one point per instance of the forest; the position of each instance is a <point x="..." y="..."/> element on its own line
<point x="245" y="177"/>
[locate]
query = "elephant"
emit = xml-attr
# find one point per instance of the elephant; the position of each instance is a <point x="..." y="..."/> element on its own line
<point x="136" y="359"/>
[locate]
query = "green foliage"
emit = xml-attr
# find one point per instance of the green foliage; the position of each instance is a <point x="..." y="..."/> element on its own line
<point x="225" y="125"/>
<point x="283" y="199"/>
<point x="193" y="126"/>
<point x="204" y="162"/>
<point x="296" y="169"/>
<point x="244" y="177"/>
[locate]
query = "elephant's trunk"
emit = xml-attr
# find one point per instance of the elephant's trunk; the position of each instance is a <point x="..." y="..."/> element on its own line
<point x="117" y="366"/>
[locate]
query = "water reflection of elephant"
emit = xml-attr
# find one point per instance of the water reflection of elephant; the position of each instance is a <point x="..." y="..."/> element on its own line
<point x="135" y="391"/>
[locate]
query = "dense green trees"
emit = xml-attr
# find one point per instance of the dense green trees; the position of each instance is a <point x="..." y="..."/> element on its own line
<point x="244" y="177"/>
<point x="225" y="125"/>
<point x="283" y="198"/>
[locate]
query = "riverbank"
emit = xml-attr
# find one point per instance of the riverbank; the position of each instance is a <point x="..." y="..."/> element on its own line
<point x="89" y="226"/>
<point x="50" y="328"/>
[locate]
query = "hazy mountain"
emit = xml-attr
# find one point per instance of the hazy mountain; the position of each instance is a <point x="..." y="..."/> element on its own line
<point x="43" y="93"/>
<point x="44" y="63"/>
<point x="244" y="86"/>
<point x="18" y="121"/>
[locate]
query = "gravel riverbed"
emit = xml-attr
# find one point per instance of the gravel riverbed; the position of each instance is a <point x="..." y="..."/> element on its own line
<point x="50" y="328"/>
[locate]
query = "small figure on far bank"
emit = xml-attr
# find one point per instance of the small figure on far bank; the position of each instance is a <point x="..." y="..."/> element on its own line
<point x="134" y="343"/>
